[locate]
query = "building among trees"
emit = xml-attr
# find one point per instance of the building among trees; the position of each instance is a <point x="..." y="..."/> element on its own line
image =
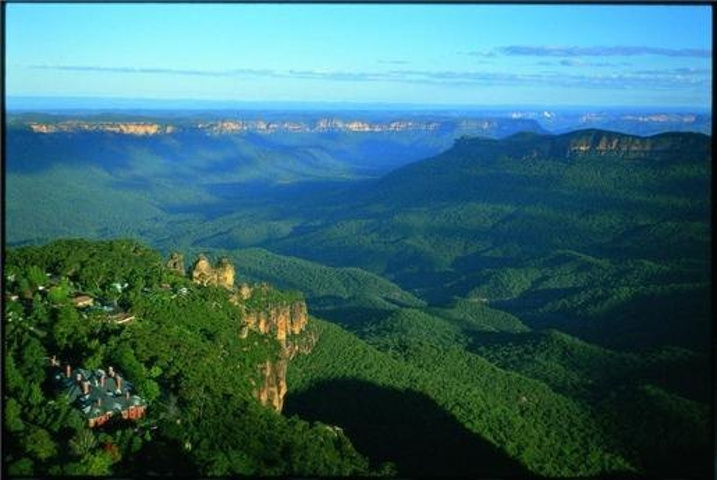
<point x="99" y="394"/>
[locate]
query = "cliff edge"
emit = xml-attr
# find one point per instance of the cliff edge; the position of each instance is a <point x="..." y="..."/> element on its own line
<point x="265" y="310"/>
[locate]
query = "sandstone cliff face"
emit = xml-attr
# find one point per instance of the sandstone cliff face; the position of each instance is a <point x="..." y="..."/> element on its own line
<point x="204" y="274"/>
<point x="321" y="125"/>
<point x="176" y="263"/>
<point x="287" y="324"/>
<point x="229" y="127"/>
<point x="126" y="128"/>
<point x="225" y="274"/>
<point x="604" y="143"/>
<point x="600" y="142"/>
<point x="244" y="291"/>
<point x="283" y="320"/>
<point x="273" y="388"/>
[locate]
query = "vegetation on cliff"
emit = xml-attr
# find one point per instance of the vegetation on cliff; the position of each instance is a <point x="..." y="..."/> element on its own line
<point x="183" y="353"/>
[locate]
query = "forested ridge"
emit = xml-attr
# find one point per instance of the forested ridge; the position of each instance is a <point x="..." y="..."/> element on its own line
<point x="183" y="353"/>
<point x="535" y="305"/>
<point x="522" y="402"/>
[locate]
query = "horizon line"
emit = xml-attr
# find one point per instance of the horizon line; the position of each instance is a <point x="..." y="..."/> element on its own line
<point x="20" y="103"/>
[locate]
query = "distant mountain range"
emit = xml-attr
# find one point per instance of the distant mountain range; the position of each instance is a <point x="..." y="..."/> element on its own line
<point x="493" y="127"/>
<point x="247" y="117"/>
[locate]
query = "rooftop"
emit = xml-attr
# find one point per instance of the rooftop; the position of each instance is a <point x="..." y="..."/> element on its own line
<point x="99" y="394"/>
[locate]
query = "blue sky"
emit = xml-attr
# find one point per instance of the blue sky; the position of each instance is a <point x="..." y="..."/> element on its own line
<point x="472" y="55"/>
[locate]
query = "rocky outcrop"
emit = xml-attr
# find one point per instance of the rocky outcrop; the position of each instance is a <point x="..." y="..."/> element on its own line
<point x="273" y="389"/>
<point x="483" y="126"/>
<point x="220" y="276"/>
<point x="244" y="291"/>
<point x="265" y="311"/>
<point x="176" y="263"/>
<point x="602" y="142"/>
<point x="590" y="143"/>
<point x="202" y="271"/>
<point x="273" y="386"/>
<point x="605" y="142"/>
<point x="287" y="324"/>
<point x="281" y="321"/>
<point x="320" y="125"/>
<point x="126" y="128"/>
<point x="225" y="273"/>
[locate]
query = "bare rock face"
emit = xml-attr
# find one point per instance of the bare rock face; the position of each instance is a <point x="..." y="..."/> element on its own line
<point x="222" y="276"/>
<point x="281" y="321"/>
<point x="225" y="274"/>
<point x="601" y="142"/>
<point x="202" y="272"/>
<point x="273" y="388"/>
<point x="176" y="263"/>
<point x="285" y="321"/>
<point x="125" y="128"/>
<point x="287" y="324"/>
<point x="244" y="291"/>
<point x="605" y="142"/>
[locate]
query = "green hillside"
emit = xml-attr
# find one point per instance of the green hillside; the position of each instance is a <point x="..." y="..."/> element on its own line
<point x="560" y="230"/>
<point x="316" y="280"/>
<point x="501" y="410"/>
<point x="535" y="305"/>
<point x="348" y="296"/>
<point x="575" y="397"/>
<point x="176" y="352"/>
<point x="491" y="200"/>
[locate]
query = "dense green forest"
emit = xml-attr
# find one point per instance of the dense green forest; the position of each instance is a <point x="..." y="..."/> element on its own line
<point x="494" y="397"/>
<point x="184" y="355"/>
<point x="173" y="183"/>
<point x="555" y="405"/>
<point x="542" y="303"/>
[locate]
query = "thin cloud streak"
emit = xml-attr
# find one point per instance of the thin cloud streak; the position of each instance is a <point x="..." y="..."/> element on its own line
<point x="576" y="62"/>
<point x="595" y="51"/>
<point x="677" y="71"/>
<point x="152" y="70"/>
<point x="393" y="62"/>
<point x="654" y="79"/>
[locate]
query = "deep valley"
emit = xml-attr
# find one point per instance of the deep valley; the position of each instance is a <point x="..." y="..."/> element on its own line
<point x="512" y="295"/>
